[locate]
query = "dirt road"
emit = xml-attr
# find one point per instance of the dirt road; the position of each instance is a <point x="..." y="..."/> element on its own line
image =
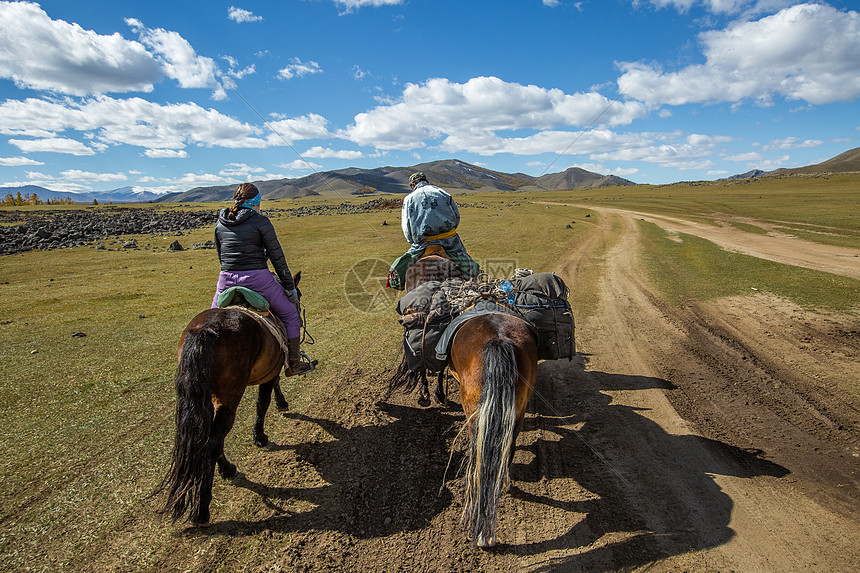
<point x="777" y="247"/>
<point x="717" y="437"/>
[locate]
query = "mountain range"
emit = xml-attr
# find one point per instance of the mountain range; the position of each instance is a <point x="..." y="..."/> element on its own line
<point x="847" y="162"/>
<point x="450" y="174"/>
<point x="121" y="195"/>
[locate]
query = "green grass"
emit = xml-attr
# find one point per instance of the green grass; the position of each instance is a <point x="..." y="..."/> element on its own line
<point x="87" y="422"/>
<point x="694" y="268"/>
<point x="748" y="228"/>
<point x="824" y="203"/>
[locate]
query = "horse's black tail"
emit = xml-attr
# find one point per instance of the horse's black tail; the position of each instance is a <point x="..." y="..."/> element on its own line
<point x="189" y="466"/>
<point x="492" y="441"/>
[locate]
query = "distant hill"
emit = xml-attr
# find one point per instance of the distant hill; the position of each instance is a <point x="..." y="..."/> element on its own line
<point x="843" y="163"/>
<point x="121" y="195"/>
<point x="450" y="174"/>
<point x="747" y="175"/>
<point x="44" y="194"/>
<point x="576" y="178"/>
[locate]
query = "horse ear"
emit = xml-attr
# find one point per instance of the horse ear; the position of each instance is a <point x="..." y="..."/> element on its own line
<point x="297" y="277"/>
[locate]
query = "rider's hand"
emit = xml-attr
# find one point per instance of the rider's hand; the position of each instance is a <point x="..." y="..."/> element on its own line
<point x="293" y="295"/>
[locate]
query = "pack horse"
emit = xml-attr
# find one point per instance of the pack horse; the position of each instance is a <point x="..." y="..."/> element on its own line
<point x="493" y="351"/>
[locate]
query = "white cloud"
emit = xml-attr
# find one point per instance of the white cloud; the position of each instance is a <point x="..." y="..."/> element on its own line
<point x="88" y="176"/>
<point x="240" y="15"/>
<point x="44" y="54"/>
<point x="300" y="165"/>
<point x="771" y="164"/>
<point x="351" y="5"/>
<point x="311" y="126"/>
<point x="325" y="153"/>
<point x="238" y="73"/>
<point x="721" y="6"/>
<point x="299" y="68"/>
<point x="751" y="156"/>
<point x="135" y="121"/>
<point x="200" y="179"/>
<point x="551" y="3"/>
<point x="358" y="73"/>
<point x="18" y="161"/>
<point x="166" y="153"/>
<point x="52" y="145"/>
<point x="806" y="52"/>
<point x="241" y="171"/>
<point x="49" y="181"/>
<point x="792" y="143"/>
<point x="683" y="6"/>
<point x="665" y="149"/>
<point x="473" y="113"/>
<point x="178" y="59"/>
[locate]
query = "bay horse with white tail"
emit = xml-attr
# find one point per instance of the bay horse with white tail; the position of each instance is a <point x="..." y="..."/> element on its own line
<point x="494" y="357"/>
<point x="222" y="351"/>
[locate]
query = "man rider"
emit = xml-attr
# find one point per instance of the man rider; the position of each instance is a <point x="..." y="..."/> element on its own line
<point x="429" y="217"/>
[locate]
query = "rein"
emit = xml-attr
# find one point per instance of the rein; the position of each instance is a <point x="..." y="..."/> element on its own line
<point x="307" y="337"/>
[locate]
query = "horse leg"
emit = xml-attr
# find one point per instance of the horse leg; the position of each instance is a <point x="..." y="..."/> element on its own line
<point x="280" y="402"/>
<point x="439" y="391"/>
<point x="423" y="390"/>
<point x="510" y="461"/>
<point x="221" y="428"/>
<point x="213" y="452"/>
<point x="264" y="398"/>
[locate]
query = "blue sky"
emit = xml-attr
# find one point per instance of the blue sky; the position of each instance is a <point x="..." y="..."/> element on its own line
<point x="167" y="96"/>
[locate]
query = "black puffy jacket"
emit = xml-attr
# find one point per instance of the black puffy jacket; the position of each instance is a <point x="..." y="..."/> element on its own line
<point x="244" y="244"/>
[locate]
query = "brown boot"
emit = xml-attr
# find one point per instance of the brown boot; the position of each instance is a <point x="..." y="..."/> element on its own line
<point x="295" y="365"/>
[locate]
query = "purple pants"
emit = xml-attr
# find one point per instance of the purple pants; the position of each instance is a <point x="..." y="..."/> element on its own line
<point x="263" y="282"/>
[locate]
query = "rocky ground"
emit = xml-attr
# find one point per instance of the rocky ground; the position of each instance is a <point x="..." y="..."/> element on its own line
<point x="28" y="230"/>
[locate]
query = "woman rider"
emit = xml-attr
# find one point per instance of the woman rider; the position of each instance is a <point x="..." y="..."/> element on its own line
<point x="245" y="239"/>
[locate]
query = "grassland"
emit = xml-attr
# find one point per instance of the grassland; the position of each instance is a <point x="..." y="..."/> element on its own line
<point x="87" y="420"/>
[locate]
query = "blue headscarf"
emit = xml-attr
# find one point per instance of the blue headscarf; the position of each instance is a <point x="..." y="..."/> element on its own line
<point x="252" y="202"/>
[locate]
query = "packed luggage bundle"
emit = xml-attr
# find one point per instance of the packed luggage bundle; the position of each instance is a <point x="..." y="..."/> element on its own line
<point x="432" y="312"/>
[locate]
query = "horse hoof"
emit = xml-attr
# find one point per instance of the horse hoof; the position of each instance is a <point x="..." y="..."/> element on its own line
<point x="284" y="408"/>
<point x="485" y="543"/>
<point x="228" y="473"/>
<point x="261" y="441"/>
<point x="423" y="401"/>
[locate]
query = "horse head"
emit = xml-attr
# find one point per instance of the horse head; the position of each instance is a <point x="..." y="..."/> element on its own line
<point x="296" y="278"/>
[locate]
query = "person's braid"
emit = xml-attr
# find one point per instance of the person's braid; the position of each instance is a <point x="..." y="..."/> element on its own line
<point x="243" y="192"/>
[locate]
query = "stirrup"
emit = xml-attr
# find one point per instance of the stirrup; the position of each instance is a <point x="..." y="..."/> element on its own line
<point x="305" y="362"/>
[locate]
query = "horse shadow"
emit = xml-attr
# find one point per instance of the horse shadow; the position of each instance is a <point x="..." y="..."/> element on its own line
<point x="363" y="480"/>
<point x="649" y="494"/>
<point x="652" y="494"/>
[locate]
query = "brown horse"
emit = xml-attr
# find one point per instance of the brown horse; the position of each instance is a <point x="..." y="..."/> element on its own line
<point x="222" y="351"/>
<point x="494" y="358"/>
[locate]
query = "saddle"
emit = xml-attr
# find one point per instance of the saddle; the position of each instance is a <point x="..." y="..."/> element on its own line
<point x="257" y="307"/>
<point x="434" y="251"/>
